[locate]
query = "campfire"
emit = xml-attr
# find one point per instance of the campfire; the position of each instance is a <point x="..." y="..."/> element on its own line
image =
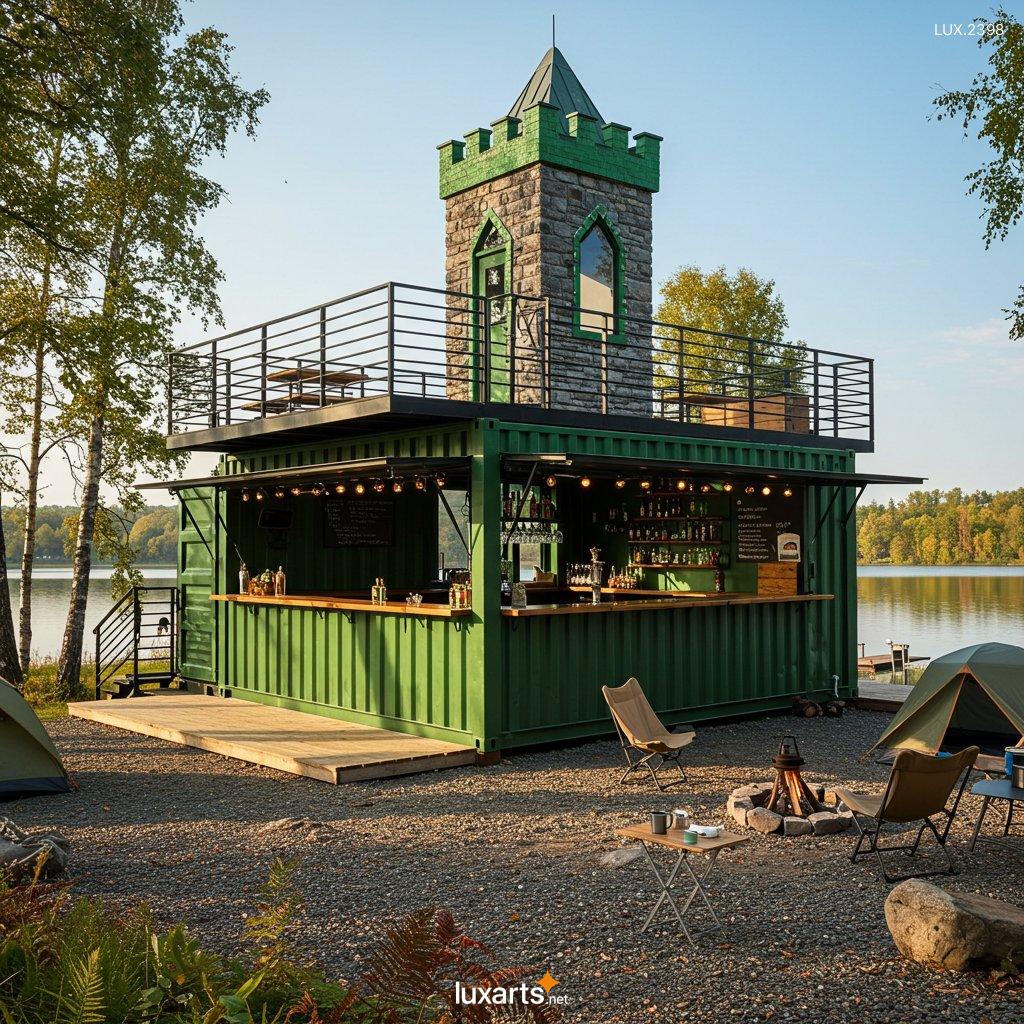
<point x="790" y="795"/>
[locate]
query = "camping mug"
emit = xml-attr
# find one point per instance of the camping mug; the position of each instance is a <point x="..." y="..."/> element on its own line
<point x="680" y="819"/>
<point x="659" y="822"/>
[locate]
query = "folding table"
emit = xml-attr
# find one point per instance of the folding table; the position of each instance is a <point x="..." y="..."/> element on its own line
<point x="995" y="789"/>
<point x="673" y="840"/>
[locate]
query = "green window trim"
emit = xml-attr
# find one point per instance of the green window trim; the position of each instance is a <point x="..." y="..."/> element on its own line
<point x="599" y="218"/>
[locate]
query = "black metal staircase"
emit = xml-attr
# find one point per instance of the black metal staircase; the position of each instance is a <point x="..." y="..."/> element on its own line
<point x="136" y="642"/>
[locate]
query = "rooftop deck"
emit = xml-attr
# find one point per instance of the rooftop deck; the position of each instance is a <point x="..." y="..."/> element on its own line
<point x="398" y="354"/>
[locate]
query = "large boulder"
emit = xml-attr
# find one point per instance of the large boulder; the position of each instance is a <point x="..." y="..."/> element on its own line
<point x="738" y="807"/>
<point x="825" y="823"/>
<point x="952" y="930"/>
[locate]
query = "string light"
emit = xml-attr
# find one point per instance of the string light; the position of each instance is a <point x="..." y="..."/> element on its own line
<point x="360" y="487"/>
<point x="727" y="487"/>
<point x="584" y="482"/>
<point x="645" y="485"/>
<point x="788" y="492"/>
<point x="421" y="484"/>
<point x="340" y="488"/>
<point x="439" y="480"/>
<point x="378" y="486"/>
<point x="619" y="484"/>
<point x="317" y="490"/>
<point x="705" y="488"/>
<point x="260" y="494"/>
<point x="279" y="492"/>
<point x="680" y="485"/>
<point x="296" y="490"/>
<point x="550" y="480"/>
<point x="749" y="489"/>
<point x="398" y="486"/>
<point x="766" y="490"/>
<point x="245" y="494"/>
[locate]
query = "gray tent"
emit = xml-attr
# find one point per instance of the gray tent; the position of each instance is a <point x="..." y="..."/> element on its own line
<point x="29" y="762"/>
<point x="972" y="696"/>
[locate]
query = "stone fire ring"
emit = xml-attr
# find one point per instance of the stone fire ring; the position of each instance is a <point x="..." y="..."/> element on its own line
<point x="746" y="805"/>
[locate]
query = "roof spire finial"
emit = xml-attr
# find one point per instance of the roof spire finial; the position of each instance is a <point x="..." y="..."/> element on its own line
<point x="552" y="31"/>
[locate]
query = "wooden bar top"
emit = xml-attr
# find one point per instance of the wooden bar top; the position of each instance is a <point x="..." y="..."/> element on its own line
<point x="348" y="604"/>
<point x="668" y="603"/>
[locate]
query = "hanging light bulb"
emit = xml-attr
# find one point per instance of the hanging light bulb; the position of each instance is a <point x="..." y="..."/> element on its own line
<point x="727" y="487"/>
<point x="245" y="494"/>
<point x="296" y="490"/>
<point x="397" y="487"/>
<point x="360" y="487"/>
<point x="260" y="494"/>
<point x="279" y="492"/>
<point x="340" y="488"/>
<point x="550" y="480"/>
<point x="584" y="482"/>
<point x="788" y="492"/>
<point x="749" y="489"/>
<point x="619" y="484"/>
<point x="317" y="490"/>
<point x="705" y="488"/>
<point x="680" y="485"/>
<point x="378" y="486"/>
<point x="766" y="490"/>
<point x="645" y="485"/>
<point x="439" y="480"/>
<point x="421" y="484"/>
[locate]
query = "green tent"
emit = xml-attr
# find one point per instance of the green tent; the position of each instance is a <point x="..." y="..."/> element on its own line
<point x="975" y="695"/>
<point x="29" y="762"/>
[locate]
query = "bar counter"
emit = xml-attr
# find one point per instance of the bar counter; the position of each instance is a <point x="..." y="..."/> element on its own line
<point x="343" y="603"/>
<point x="690" y="600"/>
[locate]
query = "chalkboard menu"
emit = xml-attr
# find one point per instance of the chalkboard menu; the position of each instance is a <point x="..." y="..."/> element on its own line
<point x="359" y="522"/>
<point x="759" y="521"/>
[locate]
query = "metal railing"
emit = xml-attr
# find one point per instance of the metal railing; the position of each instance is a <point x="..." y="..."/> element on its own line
<point x="399" y="339"/>
<point x="137" y="637"/>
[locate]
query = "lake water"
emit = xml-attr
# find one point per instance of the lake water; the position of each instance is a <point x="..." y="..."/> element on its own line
<point x="934" y="609"/>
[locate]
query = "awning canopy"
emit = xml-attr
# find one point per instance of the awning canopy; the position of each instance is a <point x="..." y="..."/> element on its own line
<point x="387" y="468"/>
<point x="612" y="464"/>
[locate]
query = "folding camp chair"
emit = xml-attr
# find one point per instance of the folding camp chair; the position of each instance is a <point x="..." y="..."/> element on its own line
<point x="918" y="789"/>
<point x="640" y="731"/>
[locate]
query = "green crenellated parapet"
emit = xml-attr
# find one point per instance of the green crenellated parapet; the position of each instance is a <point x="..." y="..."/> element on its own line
<point x="588" y="147"/>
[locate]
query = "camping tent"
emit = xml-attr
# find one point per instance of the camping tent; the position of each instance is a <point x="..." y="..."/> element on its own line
<point x="975" y="695"/>
<point x="29" y="762"/>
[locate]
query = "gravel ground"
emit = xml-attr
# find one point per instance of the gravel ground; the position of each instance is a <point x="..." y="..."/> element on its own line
<point x="514" y="851"/>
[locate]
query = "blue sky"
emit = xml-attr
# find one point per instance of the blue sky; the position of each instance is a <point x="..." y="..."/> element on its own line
<point x="797" y="143"/>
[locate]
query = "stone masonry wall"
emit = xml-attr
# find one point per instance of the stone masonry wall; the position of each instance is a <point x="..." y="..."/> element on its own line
<point x="542" y="208"/>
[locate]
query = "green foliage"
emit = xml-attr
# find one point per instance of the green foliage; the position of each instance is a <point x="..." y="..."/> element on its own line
<point x="152" y="536"/>
<point x="80" y="962"/>
<point x="944" y="528"/>
<point x="995" y="103"/>
<point x="741" y="304"/>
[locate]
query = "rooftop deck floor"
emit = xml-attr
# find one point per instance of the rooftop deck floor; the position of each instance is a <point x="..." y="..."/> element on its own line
<point x="291" y="741"/>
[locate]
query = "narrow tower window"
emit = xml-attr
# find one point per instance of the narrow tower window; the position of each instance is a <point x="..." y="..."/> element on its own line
<point x="598" y="252"/>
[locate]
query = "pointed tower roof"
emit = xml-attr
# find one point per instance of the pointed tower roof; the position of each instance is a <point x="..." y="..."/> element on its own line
<point x="556" y="83"/>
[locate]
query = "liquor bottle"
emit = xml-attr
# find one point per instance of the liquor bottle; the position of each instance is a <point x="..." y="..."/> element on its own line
<point x="279" y="582"/>
<point x="243" y="579"/>
<point x="533" y="506"/>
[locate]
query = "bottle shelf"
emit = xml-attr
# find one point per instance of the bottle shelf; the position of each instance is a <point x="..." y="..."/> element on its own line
<point x="672" y="565"/>
<point x="654" y="542"/>
<point x="675" y="519"/>
<point x="531" y="522"/>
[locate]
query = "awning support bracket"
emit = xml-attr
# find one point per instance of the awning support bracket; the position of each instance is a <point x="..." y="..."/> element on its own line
<point x="825" y="514"/>
<point x="853" y="506"/>
<point x="454" y="521"/>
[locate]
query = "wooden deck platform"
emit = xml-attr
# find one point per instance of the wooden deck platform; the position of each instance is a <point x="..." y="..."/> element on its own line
<point x="291" y="741"/>
<point x="881" y="696"/>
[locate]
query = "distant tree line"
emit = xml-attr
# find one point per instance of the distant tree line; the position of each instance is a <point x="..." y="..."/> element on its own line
<point x="944" y="528"/>
<point x="151" y="536"/>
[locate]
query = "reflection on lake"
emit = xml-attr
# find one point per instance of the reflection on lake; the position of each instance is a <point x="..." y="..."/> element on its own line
<point x="938" y="610"/>
<point x="935" y="610"/>
<point x="51" y="589"/>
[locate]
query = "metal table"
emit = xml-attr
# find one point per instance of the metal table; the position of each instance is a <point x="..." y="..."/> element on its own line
<point x="995" y="789"/>
<point x="673" y="840"/>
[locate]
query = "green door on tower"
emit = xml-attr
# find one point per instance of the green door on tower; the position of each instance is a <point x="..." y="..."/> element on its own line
<point x="489" y="282"/>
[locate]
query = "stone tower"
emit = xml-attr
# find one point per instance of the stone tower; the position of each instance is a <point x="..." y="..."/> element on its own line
<point x="552" y="202"/>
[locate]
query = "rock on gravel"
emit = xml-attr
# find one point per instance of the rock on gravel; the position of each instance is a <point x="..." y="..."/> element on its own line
<point x="952" y="930"/>
<point x="739" y="807"/>
<point x="827" y="823"/>
<point x="794" y="826"/>
<point x="763" y="820"/>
